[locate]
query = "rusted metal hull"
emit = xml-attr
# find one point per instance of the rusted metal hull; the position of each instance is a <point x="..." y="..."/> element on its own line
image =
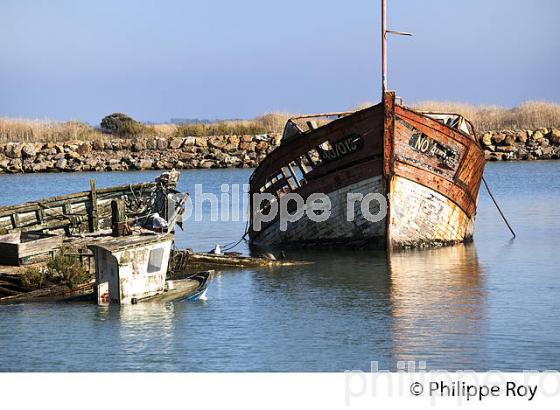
<point x="428" y="171"/>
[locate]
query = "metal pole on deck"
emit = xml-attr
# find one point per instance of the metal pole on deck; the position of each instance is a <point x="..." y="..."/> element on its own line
<point x="384" y="33"/>
<point x="383" y="47"/>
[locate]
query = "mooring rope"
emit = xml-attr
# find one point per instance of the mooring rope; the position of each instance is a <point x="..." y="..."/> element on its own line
<point x="232" y="245"/>
<point x="498" y="207"/>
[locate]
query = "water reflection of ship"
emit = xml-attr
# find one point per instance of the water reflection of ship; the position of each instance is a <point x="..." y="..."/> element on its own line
<point x="438" y="305"/>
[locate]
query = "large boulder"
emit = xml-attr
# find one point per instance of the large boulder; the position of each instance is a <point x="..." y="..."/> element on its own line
<point x="232" y="161"/>
<point x="13" y="150"/>
<point x="98" y="145"/>
<point x="261" y="146"/>
<point x="217" y="142"/>
<point x="190" y="148"/>
<point x="139" y="146"/>
<point x="201" y="142"/>
<point x="555" y="136"/>
<point x="61" y="164"/>
<point x="29" y="151"/>
<point x="175" y="143"/>
<point x="521" y="136"/>
<point x="233" y="139"/>
<point x="15" y="166"/>
<point x="189" y="141"/>
<point x="537" y="135"/>
<point x="73" y="155"/>
<point x="231" y="147"/>
<point x="162" y="144"/>
<point x="145" y="164"/>
<point x="151" y="144"/>
<point x="247" y="146"/>
<point x="186" y="156"/>
<point x="509" y="140"/>
<point x="498" y="138"/>
<point x="84" y="148"/>
<point x="207" y="163"/>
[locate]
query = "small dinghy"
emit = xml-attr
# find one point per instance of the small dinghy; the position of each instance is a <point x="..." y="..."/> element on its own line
<point x="203" y="279"/>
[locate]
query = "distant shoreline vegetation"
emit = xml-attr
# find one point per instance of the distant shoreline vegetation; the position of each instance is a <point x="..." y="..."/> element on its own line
<point x="529" y="115"/>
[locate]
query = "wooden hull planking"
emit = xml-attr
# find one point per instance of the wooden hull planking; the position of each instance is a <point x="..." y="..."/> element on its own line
<point x="88" y="210"/>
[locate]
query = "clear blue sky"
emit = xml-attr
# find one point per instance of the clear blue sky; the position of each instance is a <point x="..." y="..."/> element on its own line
<point x="64" y="59"/>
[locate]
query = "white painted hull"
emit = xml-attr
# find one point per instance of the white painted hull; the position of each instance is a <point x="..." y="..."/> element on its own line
<point x="421" y="217"/>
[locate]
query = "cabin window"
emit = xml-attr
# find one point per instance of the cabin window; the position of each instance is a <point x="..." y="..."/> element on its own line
<point x="297" y="173"/>
<point x="156" y="260"/>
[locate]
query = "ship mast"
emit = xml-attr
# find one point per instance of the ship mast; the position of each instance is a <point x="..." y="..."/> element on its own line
<point x="384" y="33"/>
<point x="384" y="47"/>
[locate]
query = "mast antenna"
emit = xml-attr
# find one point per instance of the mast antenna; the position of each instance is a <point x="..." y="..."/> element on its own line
<point x="384" y="33"/>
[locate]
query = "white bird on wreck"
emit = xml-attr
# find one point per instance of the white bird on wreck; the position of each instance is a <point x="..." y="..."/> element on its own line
<point x="158" y="223"/>
<point x="268" y="255"/>
<point x="217" y="250"/>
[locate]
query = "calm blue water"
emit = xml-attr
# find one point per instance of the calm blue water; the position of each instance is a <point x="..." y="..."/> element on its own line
<point x="494" y="304"/>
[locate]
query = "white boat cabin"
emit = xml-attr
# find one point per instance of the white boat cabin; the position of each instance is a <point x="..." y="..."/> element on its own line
<point x="130" y="269"/>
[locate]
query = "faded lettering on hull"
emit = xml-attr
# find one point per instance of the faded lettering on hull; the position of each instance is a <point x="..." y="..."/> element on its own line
<point x="416" y="148"/>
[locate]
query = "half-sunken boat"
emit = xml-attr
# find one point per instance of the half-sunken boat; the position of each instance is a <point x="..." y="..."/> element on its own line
<point x="91" y="210"/>
<point x="31" y="231"/>
<point x="428" y="166"/>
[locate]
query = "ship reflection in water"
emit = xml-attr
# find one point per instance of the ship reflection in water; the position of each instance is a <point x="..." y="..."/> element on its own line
<point x="438" y="301"/>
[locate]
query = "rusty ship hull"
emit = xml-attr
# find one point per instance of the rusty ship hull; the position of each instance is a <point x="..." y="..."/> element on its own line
<point x="428" y="166"/>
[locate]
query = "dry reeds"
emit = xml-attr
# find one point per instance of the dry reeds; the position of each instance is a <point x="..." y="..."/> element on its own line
<point x="25" y="130"/>
<point x="529" y="115"/>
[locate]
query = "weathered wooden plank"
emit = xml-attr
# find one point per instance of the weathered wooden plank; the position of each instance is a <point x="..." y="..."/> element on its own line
<point x="76" y="197"/>
<point x="39" y="246"/>
<point x="94" y="215"/>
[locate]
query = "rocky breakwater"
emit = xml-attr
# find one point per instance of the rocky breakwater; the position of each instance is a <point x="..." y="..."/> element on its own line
<point x="149" y="153"/>
<point x="507" y="145"/>
<point x="139" y="154"/>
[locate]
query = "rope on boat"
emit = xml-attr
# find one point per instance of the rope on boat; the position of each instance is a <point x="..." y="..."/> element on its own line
<point x="498" y="207"/>
<point x="232" y="245"/>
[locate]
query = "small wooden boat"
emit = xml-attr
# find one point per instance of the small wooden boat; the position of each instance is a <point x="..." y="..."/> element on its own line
<point x="190" y="288"/>
<point x="428" y="166"/>
<point x="203" y="279"/>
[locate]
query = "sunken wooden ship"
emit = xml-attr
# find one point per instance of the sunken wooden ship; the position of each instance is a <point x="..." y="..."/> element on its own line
<point x="428" y="166"/>
<point x="30" y="232"/>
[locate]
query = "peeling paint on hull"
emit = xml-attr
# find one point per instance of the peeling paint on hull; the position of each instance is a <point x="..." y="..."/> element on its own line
<point x="422" y="217"/>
